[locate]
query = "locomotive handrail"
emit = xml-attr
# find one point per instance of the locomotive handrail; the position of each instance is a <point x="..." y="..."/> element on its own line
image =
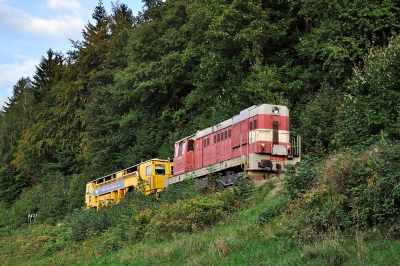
<point x="117" y="179"/>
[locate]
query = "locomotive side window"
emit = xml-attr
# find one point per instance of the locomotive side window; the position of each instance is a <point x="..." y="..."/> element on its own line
<point x="148" y="170"/>
<point x="176" y="150"/>
<point x="206" y="142"/>
<point x="182" y="146"/>
<point x="191" y="145"/>
<point x="253" y="124"/>
<point x="219" y="137"/>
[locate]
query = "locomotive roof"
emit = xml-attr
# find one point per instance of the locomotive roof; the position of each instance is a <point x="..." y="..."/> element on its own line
<point x="243" y="115"/>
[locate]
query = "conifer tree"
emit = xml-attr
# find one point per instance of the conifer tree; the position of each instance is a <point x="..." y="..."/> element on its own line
<point x="47" y="73"/>
<point x="107" y="104"/>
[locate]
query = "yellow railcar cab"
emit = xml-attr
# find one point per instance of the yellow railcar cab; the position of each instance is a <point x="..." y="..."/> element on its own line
<point x="148" y="175"/>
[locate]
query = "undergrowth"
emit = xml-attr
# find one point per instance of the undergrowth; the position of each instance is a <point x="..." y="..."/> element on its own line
<point x="352" y="190"/>
<point x="341" y="211"/>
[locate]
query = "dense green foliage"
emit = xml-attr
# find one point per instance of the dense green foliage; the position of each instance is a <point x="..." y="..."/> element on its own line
<point x="355" y="189"/>
<point x="135" y="84"/>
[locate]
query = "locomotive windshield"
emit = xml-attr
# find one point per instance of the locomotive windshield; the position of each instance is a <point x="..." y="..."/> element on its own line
<point x="180" y="148"/>
<point x="160" y="170"/>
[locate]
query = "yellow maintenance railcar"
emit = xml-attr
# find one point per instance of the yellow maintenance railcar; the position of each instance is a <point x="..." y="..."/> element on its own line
<point x="149" y="175"/>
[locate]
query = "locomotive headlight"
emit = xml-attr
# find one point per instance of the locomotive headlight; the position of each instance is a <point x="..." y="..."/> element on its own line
<point x="275" y="110"/>
<point x="262" y="145"/>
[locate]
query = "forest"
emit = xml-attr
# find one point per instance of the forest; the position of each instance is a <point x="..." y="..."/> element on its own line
<point x="134" y="84"/>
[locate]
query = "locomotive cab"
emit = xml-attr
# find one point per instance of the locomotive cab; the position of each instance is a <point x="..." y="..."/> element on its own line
<point x="184" y="157"/>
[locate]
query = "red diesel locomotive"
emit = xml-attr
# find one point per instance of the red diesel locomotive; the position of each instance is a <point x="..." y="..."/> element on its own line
<point x="256" y="142"/>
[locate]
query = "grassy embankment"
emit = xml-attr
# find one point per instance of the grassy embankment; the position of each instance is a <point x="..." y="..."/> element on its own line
<point x="246" y="225"/>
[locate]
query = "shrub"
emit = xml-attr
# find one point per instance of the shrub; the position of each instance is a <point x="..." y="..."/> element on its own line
<point x="89" y="223"/>
<point x="317" y="118"/>
<point x="111" y="240"/>
<point x="26" y="204"/>
<point x="243" y="189"/>
<point x="376" y="196"/>
<point x="353" y="189"/>
<point x="370" y="110"/>
<point x="271" y="212"/>
<point x="180" y="191"/>
<point x="299" y="182"/>
<point x="187" y="216"/>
